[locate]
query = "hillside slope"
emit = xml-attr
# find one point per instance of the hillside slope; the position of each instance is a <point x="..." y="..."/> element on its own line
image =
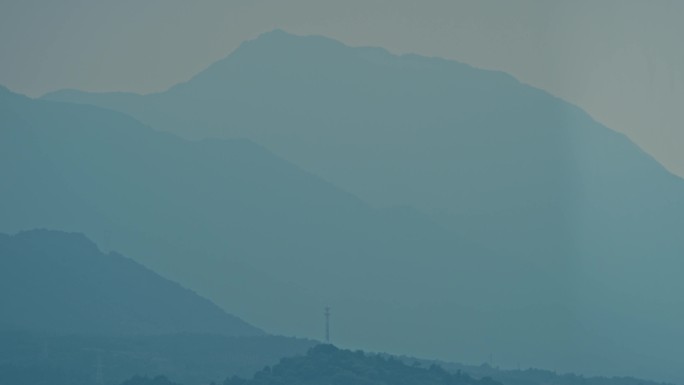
<point x="59" y="282"/>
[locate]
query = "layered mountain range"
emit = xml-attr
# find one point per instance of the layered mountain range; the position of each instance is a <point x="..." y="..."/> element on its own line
<point x="252" y="232"/>
<point x="441" y="209"/>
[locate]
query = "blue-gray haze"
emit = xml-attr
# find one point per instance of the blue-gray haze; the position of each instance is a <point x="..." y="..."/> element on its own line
<point x="620" y="60"/>
<point x="442" y="210"/>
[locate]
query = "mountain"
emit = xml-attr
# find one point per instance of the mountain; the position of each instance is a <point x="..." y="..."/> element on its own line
<point x="507" y="164"/>
<point x="326" y="364"/>
<point x="256" y="234"/>
<point x="189" y="358"/>
<point x="585" y="216"/>
<point x="52" y="281"/>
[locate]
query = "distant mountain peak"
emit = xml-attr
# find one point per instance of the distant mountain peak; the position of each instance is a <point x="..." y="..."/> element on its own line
<point x="279" y="35"/>
<point x="5" y="93"/>
<point x="282" y="44"/>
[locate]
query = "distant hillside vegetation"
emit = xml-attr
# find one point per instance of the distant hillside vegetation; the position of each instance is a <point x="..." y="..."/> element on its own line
<point x="529" y="376"/>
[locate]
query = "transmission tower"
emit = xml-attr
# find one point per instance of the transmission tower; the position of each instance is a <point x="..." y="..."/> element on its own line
<point x="99" y="378"/>
<point x="327" y="324"/>
<point x="45" y="354"/>
<point x="99" y="366"/>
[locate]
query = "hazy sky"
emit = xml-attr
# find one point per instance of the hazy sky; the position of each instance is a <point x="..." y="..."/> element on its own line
<point x="621" y="60"/>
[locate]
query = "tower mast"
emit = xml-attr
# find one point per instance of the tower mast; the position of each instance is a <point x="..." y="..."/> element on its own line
<point x="327" y="324"/>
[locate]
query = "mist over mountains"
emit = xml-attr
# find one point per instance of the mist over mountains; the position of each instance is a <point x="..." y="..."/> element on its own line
<point x="72" y="315"/>
<point x="248" y="230"/>
<point x="441" y="210"/>
<point x="504" y="164"/>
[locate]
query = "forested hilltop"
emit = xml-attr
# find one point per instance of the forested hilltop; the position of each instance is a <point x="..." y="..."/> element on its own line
<point x="326" y="364"/>
<point x="329" y="365"/>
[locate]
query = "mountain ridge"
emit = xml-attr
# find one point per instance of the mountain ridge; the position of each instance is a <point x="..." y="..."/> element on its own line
<point x="61" y="282"/>
<point x="574" y="209"/>
<point x="235" y="224"/>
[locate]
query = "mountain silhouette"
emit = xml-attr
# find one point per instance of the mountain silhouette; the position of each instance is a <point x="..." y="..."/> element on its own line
<point x="506" y="164"/>
<point x="58" y="282"/>
<point x="246" y="229"/>
<point x="584" y="228"/>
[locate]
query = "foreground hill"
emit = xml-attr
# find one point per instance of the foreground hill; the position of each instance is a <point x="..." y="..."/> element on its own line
<point x="53" y="281"/>
<point x="326" y="364"/>
<point x="591" y="223"/>
<point x="189" y="358"/>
